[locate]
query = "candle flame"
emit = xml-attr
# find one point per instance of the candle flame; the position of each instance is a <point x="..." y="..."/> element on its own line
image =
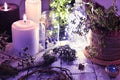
<point x="24" y="18"/>
<point x="92" y="9"/>
<point x="5" y="7"/>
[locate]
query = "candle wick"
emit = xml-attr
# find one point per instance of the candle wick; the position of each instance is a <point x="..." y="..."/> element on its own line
<point x="5" y="6"/>
<point x="24" y="18"/>
<point x="24" y="21"/>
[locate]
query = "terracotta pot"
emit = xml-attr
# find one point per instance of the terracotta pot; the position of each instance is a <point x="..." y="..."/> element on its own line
<point x="107" y="46"/>
<point x="110" y="50"/>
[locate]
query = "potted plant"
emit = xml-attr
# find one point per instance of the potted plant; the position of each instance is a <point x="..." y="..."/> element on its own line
<point x="104" y="34"/>
<point x="58" y="14"/>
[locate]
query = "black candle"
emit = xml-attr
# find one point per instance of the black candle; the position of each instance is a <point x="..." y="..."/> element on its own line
<point x="8" y="15"/>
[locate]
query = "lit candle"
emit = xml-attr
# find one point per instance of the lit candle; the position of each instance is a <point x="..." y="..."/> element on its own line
<point x="9" y="13"/>
<point x="5" y="7"/>
<point x="25" y="34"/>
<point x="92" y="9"/>
<point x="33" y="9"/>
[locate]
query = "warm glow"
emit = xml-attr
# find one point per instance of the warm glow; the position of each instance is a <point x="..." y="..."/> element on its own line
<point x="24" y="17"/>
<point x="92" y="9"/>
<point x="5" y="7"/>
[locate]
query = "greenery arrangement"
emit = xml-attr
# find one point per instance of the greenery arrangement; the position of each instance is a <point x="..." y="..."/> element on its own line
<point x="59" y="10"/>
<point x="101" y="19"/>
<point x="58" y="14"/>
<point x="103" y="22"/>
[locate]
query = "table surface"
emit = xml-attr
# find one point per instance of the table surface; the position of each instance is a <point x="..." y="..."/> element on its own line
<point x="91" y="71"/>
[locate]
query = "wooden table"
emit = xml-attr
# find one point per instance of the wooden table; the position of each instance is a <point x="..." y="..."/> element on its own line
<point x="91" y="71"/>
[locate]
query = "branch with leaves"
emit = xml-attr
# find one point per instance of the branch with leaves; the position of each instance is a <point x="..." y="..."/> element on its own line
<point x="103" y="19"/>
<point x="54" y="73"/>
<point x="59" y="11"/>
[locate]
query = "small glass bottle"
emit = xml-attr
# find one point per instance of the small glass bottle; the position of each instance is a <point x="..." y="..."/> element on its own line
<point x="51" y="32"/>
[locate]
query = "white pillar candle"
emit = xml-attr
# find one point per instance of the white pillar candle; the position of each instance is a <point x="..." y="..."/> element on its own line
<point x="33" y="9"/>
<point x="25" y="33"/>
<point x="78" y="1"/>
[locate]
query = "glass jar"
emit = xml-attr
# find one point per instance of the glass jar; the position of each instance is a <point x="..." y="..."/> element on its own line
<point x="76" y="28"/>
<point x="51" y="32"/>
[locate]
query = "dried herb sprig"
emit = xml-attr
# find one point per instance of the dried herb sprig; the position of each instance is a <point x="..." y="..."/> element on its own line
<point x="92" y="50"/>
<point x="56" y="73"/>
<point x="65" y="53"/>
<point x="48" y="59"/>
<point x="6" y="70"/>
<point x="26" y="59"/>
<point x="28" y="62"/>
<point x="3" y="41"/>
